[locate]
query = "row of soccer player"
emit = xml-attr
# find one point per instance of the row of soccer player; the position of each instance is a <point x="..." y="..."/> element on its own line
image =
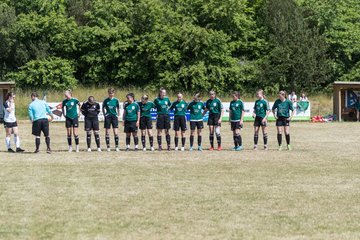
<point x="137" y="115"/>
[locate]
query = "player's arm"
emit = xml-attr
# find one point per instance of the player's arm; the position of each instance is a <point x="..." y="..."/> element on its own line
<point x="97" y="108"/>
<point x="222" y="113"/>
<point x="31" y="115"/>
<point x="138" y="117"/>
<point x="63" y="108"/>
<point x="242" y="116"/>
<point x="82" y="109"/>
<point x="79" y="105"/>
<point x="206" y="109"/>
<point x="103" y="109"/>
<point x="124" y="114"/>
<point x="48" y="110"/>
<point x="292" y="112"/>
<point x="254" y="113"/>
<point x="273" y="110"/>
<point x="172" y="106"/>
<point x="118" y="109"/>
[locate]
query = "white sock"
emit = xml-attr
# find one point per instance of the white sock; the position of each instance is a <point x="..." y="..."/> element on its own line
<point x="17" y="141"/>
<point x="8" y="143"/>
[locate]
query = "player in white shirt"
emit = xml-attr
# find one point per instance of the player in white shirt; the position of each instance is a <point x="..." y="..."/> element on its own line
<point x="292" y="97"/>
<point x="11" y="124"/>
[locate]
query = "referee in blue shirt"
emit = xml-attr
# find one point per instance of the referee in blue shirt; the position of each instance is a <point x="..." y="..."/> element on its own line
<point x="38" y="111"/>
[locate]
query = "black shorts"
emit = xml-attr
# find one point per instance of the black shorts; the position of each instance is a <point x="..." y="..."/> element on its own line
<point x="145" y="123"/>
<point x="10" y="124"/>
<point x="111" y="121"/>
<point x="282" y="122"/>
<point x="69" y="122"/>
<point x="258" y="122"/>
<point x="91" y="124"/>
<point x="214" y="120"/>
<point x="236" y="125"/>
<point x="180" y="123"/>
<point x="130" y="127"/>
<point x="163" y="122"/>
<point x="196" y="125"/>
<point x="41" y="125"/>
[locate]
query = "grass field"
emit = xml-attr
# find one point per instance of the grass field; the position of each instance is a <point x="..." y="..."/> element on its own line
<point x="312" y="192"/>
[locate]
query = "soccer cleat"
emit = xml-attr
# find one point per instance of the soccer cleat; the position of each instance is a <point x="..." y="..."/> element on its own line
<point x="211" y="149"/>
<point x="70" y="149"/>
<point x="255" y="148"/>
<point x="117" y="149"/>
<point x="10" y="150"/>
<point x="234" y="148"/>
<point x="108" y="149"/>
<point x="280" y="148"/>
<point x="89" y="150"/>
<point x="219" y="148"/>
<point x="48" y="150"/>
<point x="77" y="148"/>
<point x="190" y="149"/>
<point x="36" y="151"/>
<point x="136" y="149"/>
<point x="238" y="148"/>
<point x="127" y="149"/>
<point x="20" y="150"/>
<point x="289" y="147"/>
<point x="266" y="148"/>
<point x="152" y="149"/>
<point x="99" y="149"/>
<point x="200" y="148"/>
<point x="169" y="148"/>
<point x="160" y="148"/>
<point x="182" y="149"/>
<point x="144" y="149"/>
<point x="176" y="148"/>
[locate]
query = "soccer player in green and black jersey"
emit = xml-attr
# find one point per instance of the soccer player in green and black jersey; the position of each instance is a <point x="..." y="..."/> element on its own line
<point x="131" y="120"/>
<point x="216" y="111"/>
<point x="236" y="111"/>
<point x="281" y="110"/>
<point x="111" y="111"/>
<point x="196" y="108"/>
<point x="179" y="107"/>
<point x="70" y="109"/>
<point x="146" y="121"/>
<point x="91" y="109"/>
<point x="162" y="104"/>
<point x="261" y="113"/>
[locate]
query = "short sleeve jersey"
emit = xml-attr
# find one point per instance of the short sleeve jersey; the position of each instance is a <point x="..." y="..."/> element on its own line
<point x="145" y="109"/>
<point x="214" y="106"/>
<point x="131" y="111"/>
<point x="283" y="108"/>
<point x="111" y="106"/>
<point x="196" y="109"/>
<point x="261" y="107"/>
<point x="162" y="105"/>
<point x="70" y="106"/>
<point x="9" y="116"/>
<point x="179" y="108"/>
<point x="236" y="108"/>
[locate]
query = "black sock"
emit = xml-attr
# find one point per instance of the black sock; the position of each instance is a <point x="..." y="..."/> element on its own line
<point x="287" y="136"/>
<point x="235" y="140"/>
<point x="159" y="140"/>
<point x="136" y="140"/>
<point x="211" y="140"/>
<point x="218" y="138"/>
<point x="239" y="140"/>
<point x="107" y="140"/>
<point x="88" y="139"/>
<point x="168" y="140"/>
<point x="116" y="140"/>
<point x="151" y="140"/>
<point x="265" y="139"/>
<point x="256" y="139"/>
<point x="47" y="141"/>
<point x="183" y="140"/>
<point x="69" y="140"/>
<point x="37" y="143"/>
<point x="128" y="141"/>
<point x="279" y="138"/>
<point x="77" y="140"/>
<point x="97" y="140"/>
<point x="143" y="141"/>
<point x="199" y="140"/>
<point x="176" y="141"/>
<point x="191" y="140"/>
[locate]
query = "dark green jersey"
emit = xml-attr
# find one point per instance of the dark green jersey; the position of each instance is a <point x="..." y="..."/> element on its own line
<point x="236" y="108"/>
<point x="162" y="105"/>
<point x="110" y="106"/>
<point x="214" y="106"/>
<point x="196" y="109"/>
<point x="357" y="106"/>
<point x="71" y="107"/>
<point x="179" y="108"/>
<point x="283" y="108"/>
<point x="131" y="111"/>
<point x="145" y="109"/>
<point x="261" y="107"/>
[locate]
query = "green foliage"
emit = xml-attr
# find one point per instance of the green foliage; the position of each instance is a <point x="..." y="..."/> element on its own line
<point x="51" y="73"/>
<point x="187" y="45"/>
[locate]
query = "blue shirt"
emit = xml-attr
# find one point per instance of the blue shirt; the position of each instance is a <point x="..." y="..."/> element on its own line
<point x="38" y="109"/>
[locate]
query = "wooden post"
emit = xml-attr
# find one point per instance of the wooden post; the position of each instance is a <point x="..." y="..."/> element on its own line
<point x="337" y="102"/>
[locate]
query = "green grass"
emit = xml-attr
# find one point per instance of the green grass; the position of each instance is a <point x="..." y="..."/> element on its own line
<point x="321" y="104"/>
<point x="312" y="192"/>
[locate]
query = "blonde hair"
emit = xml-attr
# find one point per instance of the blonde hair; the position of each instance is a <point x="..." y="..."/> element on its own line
<point x="68" y="91"/>
<point x="111" y="90"/>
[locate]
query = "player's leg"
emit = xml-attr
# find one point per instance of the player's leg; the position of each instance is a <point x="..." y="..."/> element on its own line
<point x="279" y="136"/>
<point x="287" y="136"/>
<point x="46" y="131"/>
<point x="192" y="136"/>
<point x="97" y="140"/>
<point x="176" y="139"/>
<point x="159" y="128"/>
<point x="36" y="132"/>
<point x="183" y="131"/>
<point x="218" y="137"/>
<point x="265" y="136"/>
<point x="211" y="137"/>
<point x="128" y="140"/>
<point x="69" y="138"/>
<point x="116" y="133"/>
<point x="76" y="137"/>
<point x="151" y="138"/>
<point x="88" y="139"/>
<point x="167" y="132"/>
<point x="199" y="134"/>
<point x="234" y="136"/>
<point x="17" y="139"/>
<point x="107" y="125"/>
<point x="135" y="135"/>
<point x="143" y="139"/>
<point x="8" y="131"/>
<point x="239" y="139"/>
<point x="256" y="134"/>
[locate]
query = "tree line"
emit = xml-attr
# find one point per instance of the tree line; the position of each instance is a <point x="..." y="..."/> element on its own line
<point x="186" y="45"/>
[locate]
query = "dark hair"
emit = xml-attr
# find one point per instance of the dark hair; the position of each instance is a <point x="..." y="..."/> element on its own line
<point x="9" y="95"/>
<point x="160" y="90"/>
<point x="197" y="95"/>
<point x="34" y="94"/>
<point x="130" y="95"/>
<point x="91" y="99"/>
